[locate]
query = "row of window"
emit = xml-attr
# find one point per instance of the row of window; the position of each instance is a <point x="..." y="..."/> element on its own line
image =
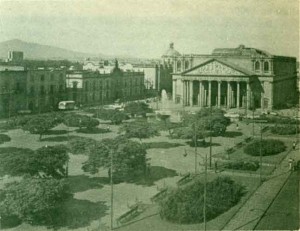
<point x="95" y="86"/>
<point x="265" y="66"/>
<point x="41" y="77"/>
<point x="51" y="90"/>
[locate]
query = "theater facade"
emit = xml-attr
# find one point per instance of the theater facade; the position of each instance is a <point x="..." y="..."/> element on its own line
<point x="239" y="77"/>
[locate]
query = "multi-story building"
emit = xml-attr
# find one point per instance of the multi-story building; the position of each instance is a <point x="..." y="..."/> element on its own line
<point x="233" y="78"/>
<point x="34" y="90"/>
<point x="92" y="87"/>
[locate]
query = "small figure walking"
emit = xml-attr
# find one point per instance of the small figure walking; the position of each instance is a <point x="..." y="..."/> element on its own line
<point x="237" y="127"/>
<point x="291" y="163"/>
<point x="294" y="145"/>
<point x="216" y="166"/>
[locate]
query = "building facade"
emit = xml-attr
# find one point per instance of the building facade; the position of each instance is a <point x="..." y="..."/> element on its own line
<point x="233" y="78"/>
<point x="31" y="90"/>
<point x="92" y="87"/>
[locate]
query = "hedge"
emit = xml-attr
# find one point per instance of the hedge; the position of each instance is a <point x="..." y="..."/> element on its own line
<point x="285" y="130"/>
<point x="243" y="165"/>
<point x="185" y="204"/>
<point x="268" y="147"/>
<point x="4" y="138"/>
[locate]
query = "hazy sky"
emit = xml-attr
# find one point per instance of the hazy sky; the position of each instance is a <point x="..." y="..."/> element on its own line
<point x="144" y="28"/>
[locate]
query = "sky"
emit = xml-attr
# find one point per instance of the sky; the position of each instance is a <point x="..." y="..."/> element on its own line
<point x="144" y="28"/>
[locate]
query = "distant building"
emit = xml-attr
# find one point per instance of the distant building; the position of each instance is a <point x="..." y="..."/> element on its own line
<point x="93" y="87"/>
<point x="35" y="89"/>
<point x="15" y="56"/>
<point x="233" y="78"/>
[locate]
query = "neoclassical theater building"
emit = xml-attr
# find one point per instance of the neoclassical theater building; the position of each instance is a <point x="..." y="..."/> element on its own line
<point x="239" y="77"/>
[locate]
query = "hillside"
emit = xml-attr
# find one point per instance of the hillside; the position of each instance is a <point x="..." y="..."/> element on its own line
<point x="38" y="51"/>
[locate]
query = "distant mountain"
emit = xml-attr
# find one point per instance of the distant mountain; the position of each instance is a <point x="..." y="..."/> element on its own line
<point x="39" y="51"/>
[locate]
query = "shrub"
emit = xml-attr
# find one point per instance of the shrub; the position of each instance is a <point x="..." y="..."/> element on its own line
<point x="81" y="145"/>
<point x="74" y="120"/>
<point x="4" y="138"/>
<point x="185" y="205"/>
<point x="285" y="130"/>
<point x="268" y="147"/>
<point x="243" y="165"/>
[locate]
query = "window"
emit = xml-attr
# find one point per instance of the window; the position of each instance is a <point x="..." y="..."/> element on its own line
<point x="42" y="77"/>
<point x="178" y="65"/>
<point x="257" y="66"/>
<point x="32" y="90"/>
<point x="32" y="78"/>
<point x="186" y="65"/>
<point x="266" y="66"/>
<point x="52" y="77"/>
<point x="51" y="89"/>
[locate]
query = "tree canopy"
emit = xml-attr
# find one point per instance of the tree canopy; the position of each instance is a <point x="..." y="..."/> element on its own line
<point x="137" y="108"/>
<point x="115" y="116"/>
<point x="47" y="161"/>
<point x="140" y="129"/>
<point x="75" y="120"/>
<point x="40" y="125"/>
<point x="185" y="204"/>
<point x="33" y="199"/>
<point x="129" y="157"/>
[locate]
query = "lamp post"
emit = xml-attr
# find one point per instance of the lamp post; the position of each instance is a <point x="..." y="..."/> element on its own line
<point x="204" y="188"/>
<point x="260" y="154"/>
<point x="111" y="192"/>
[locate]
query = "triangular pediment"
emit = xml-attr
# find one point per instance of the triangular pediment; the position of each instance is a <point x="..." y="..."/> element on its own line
<point x="214" y="67"/>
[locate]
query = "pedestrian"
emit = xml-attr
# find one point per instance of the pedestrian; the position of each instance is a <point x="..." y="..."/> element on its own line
<point x="291" y="164"/>
<point x="237" y="127"/>
<point x="294" y="145"/>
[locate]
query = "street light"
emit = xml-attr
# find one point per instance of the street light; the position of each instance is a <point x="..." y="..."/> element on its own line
<point x="205" y="185"/>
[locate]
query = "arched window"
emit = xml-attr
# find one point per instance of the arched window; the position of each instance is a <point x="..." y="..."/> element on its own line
<point x="266" y="66"/>
<point x="186" y="65"/>
<point x="178" y="65"/>
<point x="257" y="66"/>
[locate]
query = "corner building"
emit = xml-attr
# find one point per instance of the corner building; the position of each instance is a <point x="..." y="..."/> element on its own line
<point x="233" y="78"/>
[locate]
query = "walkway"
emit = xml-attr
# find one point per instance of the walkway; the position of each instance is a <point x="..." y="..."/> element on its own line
<point x="250" y="214"/>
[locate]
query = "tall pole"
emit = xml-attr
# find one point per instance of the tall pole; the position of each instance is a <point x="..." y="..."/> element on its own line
<point x="210" y="138"/>
<point x="195" y="143"/>
<point x="111" y="192"/>
<point x="253" y="121"/>
<point x="204" y="194"/>
<point x="260" y="154"/>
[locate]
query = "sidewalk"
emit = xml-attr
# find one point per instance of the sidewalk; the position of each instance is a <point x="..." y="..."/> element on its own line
<point x="250" y="214"/>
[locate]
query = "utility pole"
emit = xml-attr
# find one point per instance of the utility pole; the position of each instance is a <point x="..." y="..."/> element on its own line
<point x="260" y="154"/>
<point x="195" y="143"/>
<point x="111" y="192"/>
<point x="204" y="193"/>
<point x="210" y="138"/>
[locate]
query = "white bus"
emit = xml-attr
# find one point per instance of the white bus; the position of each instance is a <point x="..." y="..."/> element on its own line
<point x="66" y="105"/>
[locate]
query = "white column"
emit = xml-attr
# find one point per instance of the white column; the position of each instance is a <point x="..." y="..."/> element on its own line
<point x="219" y="93"/>
<point x="248" y="95"/>
<point x="237" y="94"/>
<point x="228" y="95"/>
<point x="209" y="93"/>
<point x="191" y="93"/>
<point x="183" y="93"/>
<point x="200" y="94"/>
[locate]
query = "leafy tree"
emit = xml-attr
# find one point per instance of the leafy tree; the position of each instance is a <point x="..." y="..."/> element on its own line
<point x="33" y="200"/>
<point x="137" y="108"/>
<point x="40" y="125"/>
<point x="115" y="116"/>
<point x="81" y="145"/>
<point x="17" y="161"/>
<point x="75" y="120"/>
<point x="129" y="157"/>
<point x="140" y="129"/>
<point x="4" y="138"/>
<point x="185" y="204"/>
<point x="52" y="161"/>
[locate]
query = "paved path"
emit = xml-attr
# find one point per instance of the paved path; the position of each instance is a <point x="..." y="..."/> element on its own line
<point x="251" y="212"/>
